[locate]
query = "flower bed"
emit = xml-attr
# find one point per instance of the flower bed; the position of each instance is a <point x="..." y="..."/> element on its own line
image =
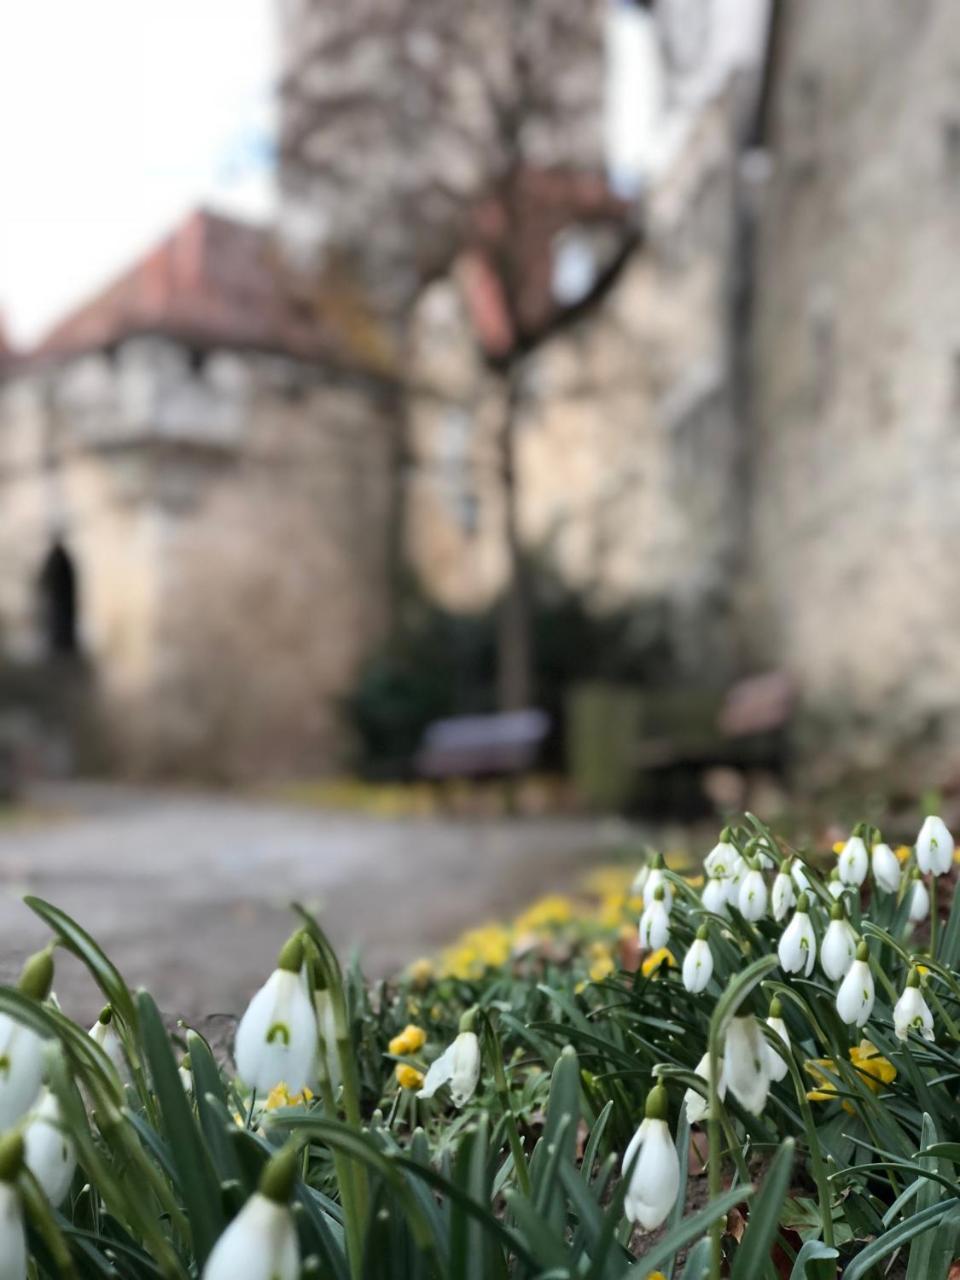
<point x="752" y="1074"/>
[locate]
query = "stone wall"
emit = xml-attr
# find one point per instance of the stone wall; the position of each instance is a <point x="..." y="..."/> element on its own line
<point x="856" y="383"/>
<point x="225" y="516"/>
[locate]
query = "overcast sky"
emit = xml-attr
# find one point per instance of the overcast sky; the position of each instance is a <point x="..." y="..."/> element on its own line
<point x="116" y="117"/>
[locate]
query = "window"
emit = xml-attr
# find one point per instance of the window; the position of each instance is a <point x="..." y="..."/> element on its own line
<point x="456" y="481"/>
<point x="58" y="602"/>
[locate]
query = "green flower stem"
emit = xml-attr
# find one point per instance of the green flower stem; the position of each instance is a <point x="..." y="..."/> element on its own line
<point x="352" y="1215"/>
<point x="495" y="1057"/>
<point x="818" y="1166"/>
<point x="934" y="915"/>
<point x="714" y="1171"/>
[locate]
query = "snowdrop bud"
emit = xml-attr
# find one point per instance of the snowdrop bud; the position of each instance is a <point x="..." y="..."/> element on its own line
<point x="783" y="896"/>
<point x="276" y="1040"/>
<point x="698" y="1105"/>
<point x="752" y="898"/>
<point x="934" y="847"/>
<point x="186" y="1074"/>
<point x="839" y="945"/>
<point x="715" y="897"/>
<point x="13" y="1239"/>
<point x="836" y="886"/>
<point x="652" y="1166"/>
<point x="698" y="963"/>
<point x="797" y="948"/>
<point x="658" y="880"/>
<point x="885" y="868"/>
<point x="458" y="1065"/>
<point x="800" y="877"/>
<point x="49" y="1151"/>
<point x="721" y="860"/>
<point x="911" y="1012"/>
<point x="104" y="1033"/>
<point x="655" y="923"/>
<point x="919" y="901"/>
<point x="776" y="1061"/>
<point x="745" y="1063"/>
<point x="261" y="1242"/>
<point x="854" y="862"/>
<point x="856" y="995"/>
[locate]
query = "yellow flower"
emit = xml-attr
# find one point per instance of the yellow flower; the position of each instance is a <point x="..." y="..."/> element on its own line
<point x="546" y="913"/>
<point x="410" y="1039"/>
<point x="839" y="846"/>
<point x="408" y="1077"/>
<point x="421" y="971"/>
<point x="903" y="852"/>
<point x="695" y="882"/>
<point x="601" y="963"/>
<point x="609" y="882"/>
<point x="653" y="962"/>
<point x="869" y="1061"/>
<point x="873" y="1068"/>
<point x="280" y="1096"/>
<point x="656" y="1275"/>
<point x="477" y="950"/>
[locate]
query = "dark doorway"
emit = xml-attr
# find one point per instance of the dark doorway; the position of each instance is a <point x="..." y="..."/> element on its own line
<point x="58" y="602"/>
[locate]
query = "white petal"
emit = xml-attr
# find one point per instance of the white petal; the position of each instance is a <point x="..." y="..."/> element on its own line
<point x="697" y="966"/>
<point x="21" y="1070"/>
<point x="885" y="867"/>
<point x="697" y="1104"/>
<point x="776" y="1061"/>
<point x="654" y="926"/>
<point x="656" y="879"/>
<point x="838" y="949"/>
<point x="715" y="897"/>
<point x="856" y="995"/>
<point x="440" y="1072"/>
<point x="13" y="1240"/>
<point x="721" y="861"/>
<point x="912" y="1013"/>
<point x="752" y="898"/>
<point x="934" y="847"/>
<point x="745" y="1064"/>
<point x="854" y="861"/>
<point x="465" y="1070"/>
<point x="260" y="1244"/>
<point x="919" y="902"/>
<point x="655" y="1180"/>
<point x="277" y="1037"/>
<point x="48" y="1150"/>
<point x="783" y="897"/>
<point x="797" y="948"/>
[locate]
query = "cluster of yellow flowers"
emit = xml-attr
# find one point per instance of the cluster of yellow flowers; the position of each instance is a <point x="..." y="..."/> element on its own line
<point x="410" y="1040"/>
<point x="873" y="1067"/>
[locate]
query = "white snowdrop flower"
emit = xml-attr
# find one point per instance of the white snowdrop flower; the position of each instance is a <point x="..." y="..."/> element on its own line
<point x="458" y="1065"/>
<point x="885" y="868"/>
<point x="911" y="1012"/>
<point x="797" y="948"/>
<point x="835" y="886"/>
<point x="655" y="922"/>
<point x="782" y="896"/>
<point x="658" y="880"/>
<point x="800" y="877"/>
<point x="919" y="901"/>
<point x="698" y="963"/>
<point x="261" y="1242"/>
<point x="185" y="1074"/>
<point x="839" y="945"/>
<point x="49" y="1152"/>
<point x="856" y="995"/>
<point x="745" y="1063"/>
<point x="21" y="1050"/>
<point x="715" y="896"/>
<point x="276" y="1040"/>
<point x="13" y="1237"/>
<point x="752" y="897"/>
<point x="639" y="882"/>
<point x="697" y="1105"/>
<point x="934" y="848"/>
<point x="854" y="861"/>
<point x="722" y="860"/>
<point x="776" y="1061"/>
<point x="764" y="855"/>
<point x="105" y="1034"/>
<point x="652" y="1166"/>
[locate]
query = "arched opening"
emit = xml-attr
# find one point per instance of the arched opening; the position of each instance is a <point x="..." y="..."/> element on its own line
<point x="58" y="602"/>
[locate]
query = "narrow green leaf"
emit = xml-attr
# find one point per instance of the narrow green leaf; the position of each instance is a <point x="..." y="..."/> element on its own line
<point x="753" y="1255"/>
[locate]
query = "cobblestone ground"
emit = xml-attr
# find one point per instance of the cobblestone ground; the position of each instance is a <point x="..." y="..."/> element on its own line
<point x="189" y="893"/>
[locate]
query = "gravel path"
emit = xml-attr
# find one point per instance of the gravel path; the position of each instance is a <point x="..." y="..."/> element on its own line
<point x="189" y="893"/>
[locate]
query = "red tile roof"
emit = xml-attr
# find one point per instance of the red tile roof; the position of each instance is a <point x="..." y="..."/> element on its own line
<point x="213" y="281"/>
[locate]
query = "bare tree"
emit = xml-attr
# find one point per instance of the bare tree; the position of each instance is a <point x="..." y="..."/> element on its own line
<point x="415" y="132"/>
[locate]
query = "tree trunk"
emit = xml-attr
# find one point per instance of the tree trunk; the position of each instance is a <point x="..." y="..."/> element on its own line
<point x="514" y="624"/>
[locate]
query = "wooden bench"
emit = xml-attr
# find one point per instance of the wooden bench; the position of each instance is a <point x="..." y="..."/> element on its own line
<point x="501" y="745"/>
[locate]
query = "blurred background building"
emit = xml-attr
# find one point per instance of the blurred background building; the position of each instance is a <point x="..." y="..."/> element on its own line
<point x="602" y="357"/>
